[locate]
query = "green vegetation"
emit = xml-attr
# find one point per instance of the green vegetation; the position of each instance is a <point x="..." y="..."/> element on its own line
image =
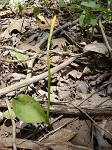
<point x="24" y="106"/>
<point x="20" y="56"/>
<point x="27" y="109"/>
<point x="48" y="64"/>
<point x="90" y="11"/>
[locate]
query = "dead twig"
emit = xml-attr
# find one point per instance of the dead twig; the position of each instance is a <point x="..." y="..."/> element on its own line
<point x="105" y="39"/>
<point x="13" y="125"/>
<point x="91" y="119"/>
<point x="70" y="40"/>
<point x="95" y="92"/>
<point x="92" y="111"/>
<point x="53" y="131"/>
<point x="29" y="71"/>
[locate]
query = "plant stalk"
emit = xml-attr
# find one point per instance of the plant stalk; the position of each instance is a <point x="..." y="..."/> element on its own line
<point x="48" y="66"/>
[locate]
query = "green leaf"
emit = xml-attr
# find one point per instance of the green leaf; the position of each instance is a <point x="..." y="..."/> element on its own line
<point x="6" y="114"/>
<point x="61" y="3"/>
<point x="36" y="11"/>
<point x="90" y="4"/>
<point x="101" y="9"/>
<point x="28" y="110"/>
<point x="20" y="56"/>
<point x="26" y="4"/>
<point x="81" y="20"/>
<point x="93" y="21"/>
<point x="74" y="6"/>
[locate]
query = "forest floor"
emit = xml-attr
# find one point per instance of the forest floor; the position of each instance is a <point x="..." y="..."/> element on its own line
<point x="81" y="80"/>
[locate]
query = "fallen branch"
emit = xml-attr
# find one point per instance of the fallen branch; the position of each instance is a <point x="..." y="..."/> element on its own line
<point x="13" y="125"/>
<point x="34" y="79"/>
<point x="86" y="113"/>
<point x="105" y="39"/>
<point x="100" y="111"/>
<point x="59" y="29"/>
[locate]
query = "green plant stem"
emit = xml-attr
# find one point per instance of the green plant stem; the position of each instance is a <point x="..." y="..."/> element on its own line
<point x="48" y="66"/>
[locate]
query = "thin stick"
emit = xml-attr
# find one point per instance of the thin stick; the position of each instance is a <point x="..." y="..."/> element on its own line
<point x="53" y="131"/>
<point x="95" y="92"/>
<point x="29" y="72"/>
<point x="90" y="119"/>
<point x="13" y="125"/>
<point x="105" y="39"/>
<point x="93" y="120"/>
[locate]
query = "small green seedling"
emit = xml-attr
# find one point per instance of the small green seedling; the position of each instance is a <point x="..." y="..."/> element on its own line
<point x="20" y="56"/>
<point x="36" y="11"/>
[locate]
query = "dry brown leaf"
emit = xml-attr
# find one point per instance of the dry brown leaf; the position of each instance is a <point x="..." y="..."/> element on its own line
<point x="5" y="13"/>
<point x="18" y="25"/>
<point x="45" y="23"/>
<point x="109" y="87"/>
<point x="5" y="34"/>
<point x="96" y="100"/>
<point x="75" y="74"/>
<point x="101" y="78"/>
<point x="108" y="127"/>
<point x="63" y="91"/>
<point x="27" y="11"/>
<point x="15" y="77"/>
<point x="82" y="87"/>
<point x="55" y="59"/>
<point x="27" y="46"/>
<point x="21" y="143"/>
<point x="104" y="140"/>
<point x="57" y="44"/>
<point x="99" y="48"/>
<point x="59" y="137"/>
<point x="53" y="96"/>
<point x="83" y="130"/>
<point x="64" y="146"/>
<point x="86" y="71"/>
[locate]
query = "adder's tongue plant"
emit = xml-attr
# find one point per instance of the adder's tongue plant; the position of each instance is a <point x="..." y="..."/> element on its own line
<point x="48" y="64"/>
<point x="26" y="108"/>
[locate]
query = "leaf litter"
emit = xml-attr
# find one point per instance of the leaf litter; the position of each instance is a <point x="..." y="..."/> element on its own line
<point x="80" y="88"/>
